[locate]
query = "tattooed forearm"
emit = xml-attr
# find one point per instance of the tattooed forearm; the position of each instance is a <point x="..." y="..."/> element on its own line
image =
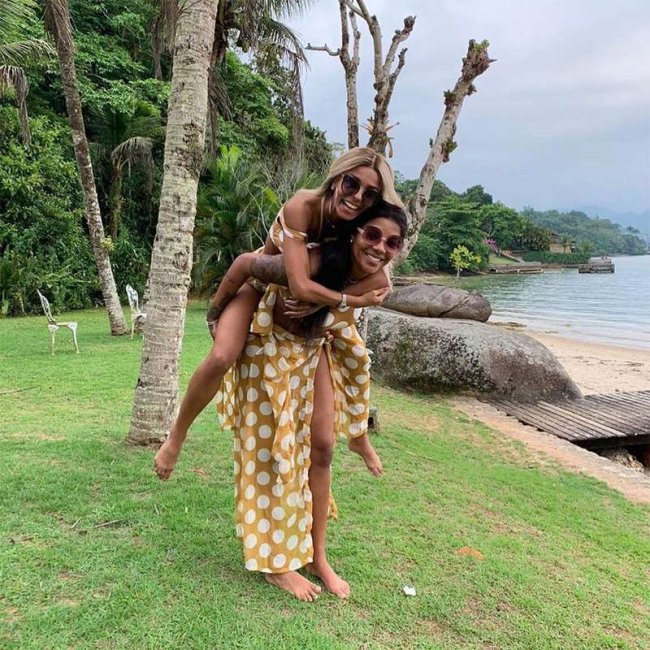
<point x="269" y="268"/>
<point x="225" y="293"/>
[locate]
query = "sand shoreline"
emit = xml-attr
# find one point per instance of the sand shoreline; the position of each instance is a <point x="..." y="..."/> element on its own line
<point x="597" y="367"/>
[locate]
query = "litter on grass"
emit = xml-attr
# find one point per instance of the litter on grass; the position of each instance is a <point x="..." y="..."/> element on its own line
<point x="409" y="591"/>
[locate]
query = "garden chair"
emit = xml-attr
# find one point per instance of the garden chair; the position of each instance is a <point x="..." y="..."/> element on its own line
<point x="137" y="316"/>
<point x="53" y="326"/>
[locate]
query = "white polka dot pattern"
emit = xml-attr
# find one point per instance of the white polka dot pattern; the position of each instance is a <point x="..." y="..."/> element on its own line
<point x="267" y="400"/>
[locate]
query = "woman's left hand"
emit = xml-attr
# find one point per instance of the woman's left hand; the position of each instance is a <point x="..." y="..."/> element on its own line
<point x="297" y="309"/>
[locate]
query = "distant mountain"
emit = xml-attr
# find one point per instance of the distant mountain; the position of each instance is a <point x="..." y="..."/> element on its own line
<point x="638" y="220"/>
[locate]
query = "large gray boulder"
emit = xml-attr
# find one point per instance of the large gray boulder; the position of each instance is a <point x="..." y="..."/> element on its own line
<point x="447" y="355"/>
<point x="438" y="302"/>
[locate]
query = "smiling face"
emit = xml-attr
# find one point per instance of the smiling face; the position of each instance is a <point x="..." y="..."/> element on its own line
<point x="368" y="258"/>
<point x="346" y="204"/>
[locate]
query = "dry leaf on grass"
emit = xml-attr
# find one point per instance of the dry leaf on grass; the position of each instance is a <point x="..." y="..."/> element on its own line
<point x="201" y="472"/>
<point x="472" y="552"/>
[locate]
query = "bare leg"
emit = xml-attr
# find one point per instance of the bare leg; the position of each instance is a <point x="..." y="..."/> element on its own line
<point x="295" y="584"/>
<point x="320" y="478"/>
<point x="230" y="337"/>
<point x="362" y="446"/>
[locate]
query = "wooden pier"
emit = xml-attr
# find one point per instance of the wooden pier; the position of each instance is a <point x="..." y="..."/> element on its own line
<point x="522" y="267"/>
<point x="597" y="265"/>
<point x="594" y="422"/>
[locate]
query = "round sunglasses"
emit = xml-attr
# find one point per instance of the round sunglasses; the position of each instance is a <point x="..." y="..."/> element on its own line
<point x="373" y="235"/>
<point x="350" y="185"/>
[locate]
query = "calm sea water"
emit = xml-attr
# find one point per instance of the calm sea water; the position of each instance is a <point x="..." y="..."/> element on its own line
<point x="609" y="308"/>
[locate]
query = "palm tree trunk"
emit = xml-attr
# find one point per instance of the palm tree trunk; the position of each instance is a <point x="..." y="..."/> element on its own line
<point x="156" y="393"/>
<point x="58" y="20"/>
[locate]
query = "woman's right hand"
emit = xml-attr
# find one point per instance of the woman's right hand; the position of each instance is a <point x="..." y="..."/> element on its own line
<point x="298" y="309"/>
<point x="165" y="459"/>
<point x="372" y="298"/>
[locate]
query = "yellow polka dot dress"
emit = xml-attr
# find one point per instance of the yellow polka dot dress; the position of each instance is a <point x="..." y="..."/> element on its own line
<point x="266" y="399"/>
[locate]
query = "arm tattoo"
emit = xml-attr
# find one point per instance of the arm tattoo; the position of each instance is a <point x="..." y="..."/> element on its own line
<point x="226" y="292"/>
<point x="269" y="268"/>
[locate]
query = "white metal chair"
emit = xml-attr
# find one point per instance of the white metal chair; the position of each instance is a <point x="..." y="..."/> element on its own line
<point x="53" y="326"/>
<point x="137" y="316"/>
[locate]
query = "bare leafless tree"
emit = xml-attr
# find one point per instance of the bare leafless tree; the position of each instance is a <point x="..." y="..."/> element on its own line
<point x="387" y="69"/>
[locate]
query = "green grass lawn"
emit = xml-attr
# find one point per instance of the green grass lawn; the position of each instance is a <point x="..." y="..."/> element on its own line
<point x="505" y="549"/>
<point x="497" y="259"/>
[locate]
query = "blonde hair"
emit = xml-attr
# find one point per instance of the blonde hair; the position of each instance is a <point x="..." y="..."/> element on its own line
<point x="362" y="157"/>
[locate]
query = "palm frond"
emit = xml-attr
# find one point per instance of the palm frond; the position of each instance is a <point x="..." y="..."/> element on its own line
<point x="14" y="14"/>
<point x="218" y="104"/>
<point x="287" y="42"/>
<point x="135" y="151"/>
<point x="286" y="8"/>
<point x="14" y="77"/>
<point x="23" y="52"/>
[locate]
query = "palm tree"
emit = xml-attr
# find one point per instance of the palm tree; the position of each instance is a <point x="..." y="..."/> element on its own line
<point x="57" y="18"/>
<point x="565" y="241"/>
<point x="134" y="151"/>
<point x="156" y="394"/>
<point x="255" y="26"/>
<point x="16" y="51"/>
<point x="124" y="140"/>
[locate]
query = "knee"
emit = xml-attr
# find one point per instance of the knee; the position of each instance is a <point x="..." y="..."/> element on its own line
<point x="221" y="358"/>
<point x="322" y="450"/>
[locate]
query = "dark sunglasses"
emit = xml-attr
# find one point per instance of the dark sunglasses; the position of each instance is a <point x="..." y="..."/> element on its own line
<point x="351" y="186"/>
<point x="373" y="236"/>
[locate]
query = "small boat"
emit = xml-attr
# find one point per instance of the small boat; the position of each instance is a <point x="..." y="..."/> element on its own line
<point x="597" y="265"/>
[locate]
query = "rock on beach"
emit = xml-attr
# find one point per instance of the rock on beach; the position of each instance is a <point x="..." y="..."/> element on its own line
<point x="450" y="355"/>
<point x="438" y="301"/>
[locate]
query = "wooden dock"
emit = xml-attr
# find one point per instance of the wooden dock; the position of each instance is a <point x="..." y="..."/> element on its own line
<point x="594" y="422"/>
<point x="522" y="267"/>
<point x="597" y="265"/>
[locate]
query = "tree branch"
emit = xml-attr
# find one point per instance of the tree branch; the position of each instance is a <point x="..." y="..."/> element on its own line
<point x="399" y="36"/>
<point x="356" y="58"/>
<point x="375" y="33"/>
<point x="323" y="48"/>
<point x="475" y="63"/>
<point x="353" y="8"/>
<point x="392" y="78"/>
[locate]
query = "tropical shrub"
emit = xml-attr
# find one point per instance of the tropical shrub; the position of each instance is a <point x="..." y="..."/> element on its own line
<point x="461" y="259"/>
<point x="42" y="238"/>
<point x="234" y="211"/>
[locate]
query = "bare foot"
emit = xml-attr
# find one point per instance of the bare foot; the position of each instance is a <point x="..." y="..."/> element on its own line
<point x="295" y="584"/>
<point x="165" y="459"/>
<point x="362" y="446"/>
<point x="332" y="581"/>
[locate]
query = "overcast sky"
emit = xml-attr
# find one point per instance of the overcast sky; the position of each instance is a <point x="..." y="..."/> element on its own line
<point x="561" y="120"/>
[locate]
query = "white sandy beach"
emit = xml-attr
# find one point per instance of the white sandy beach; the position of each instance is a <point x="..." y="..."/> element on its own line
<point x="599" y="368"/>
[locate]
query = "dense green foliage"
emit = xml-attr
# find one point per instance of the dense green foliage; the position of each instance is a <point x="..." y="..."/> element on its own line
<point x="606" y="237"/>
<point x="473" y="220"/>
<point x="42" y="243"/>
<point x="233" y="215"/>
<point x="42" y="231"/>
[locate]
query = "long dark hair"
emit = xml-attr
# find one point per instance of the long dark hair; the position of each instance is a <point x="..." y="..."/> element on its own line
<point x="336" y="256"/>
